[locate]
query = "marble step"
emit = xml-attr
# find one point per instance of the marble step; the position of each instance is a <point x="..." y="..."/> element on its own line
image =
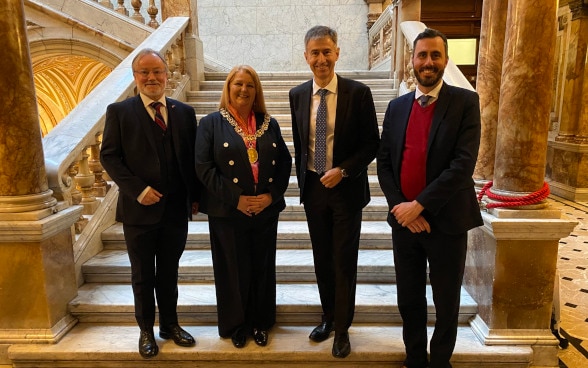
<point x="287" y="84"/>
<point x="291" y="235"/>
<point x="273" y="106"/>
<point x="301" y="76"/>
<point x="278" y="95"/>
<point x="373" y="184"/>
<point x="115" y="346"/>
<point x="376" y="210"/>
<point x="296" y="303"/>
<point x="285" y="120"/>
<point x="292" y="265"/>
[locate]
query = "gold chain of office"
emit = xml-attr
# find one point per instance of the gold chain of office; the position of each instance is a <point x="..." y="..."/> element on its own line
<point x="250" y="138"/>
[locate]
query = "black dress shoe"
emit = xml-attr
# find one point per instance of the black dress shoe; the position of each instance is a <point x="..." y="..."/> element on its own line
<point x="321" y="332"/>
<point x="260" y="337"/>
<point x="180" y="336"/>
<point x="341" y="345"/>
<point x="239" y="338"/>
<point x="147" y="345"/>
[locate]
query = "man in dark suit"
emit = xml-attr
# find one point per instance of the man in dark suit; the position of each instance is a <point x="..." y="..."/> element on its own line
<point x="425" y="165"/>
<point x="334" y="142"/>
<point x="148" y="150"/>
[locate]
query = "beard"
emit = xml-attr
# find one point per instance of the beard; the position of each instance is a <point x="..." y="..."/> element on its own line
<point x="429" y="80"/>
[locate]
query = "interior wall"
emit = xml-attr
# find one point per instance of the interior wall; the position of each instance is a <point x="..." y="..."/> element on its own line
<point x="269" y="34"/>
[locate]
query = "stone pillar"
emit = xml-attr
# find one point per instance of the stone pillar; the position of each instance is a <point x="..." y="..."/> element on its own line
<point x="37" y="277"/>
<point x="525" y="99"/>
<point x="193" y="47"/>
<point x="406" y="10"/>
<point x="488" y="82"/>
<point x="511" y="262"/>
<point x="568" y="152"/>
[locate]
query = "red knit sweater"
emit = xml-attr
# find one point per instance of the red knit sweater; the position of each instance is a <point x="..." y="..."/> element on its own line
<point x="413" y="172"/>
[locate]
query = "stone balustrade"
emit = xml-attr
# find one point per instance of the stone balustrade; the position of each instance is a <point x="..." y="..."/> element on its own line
<point x="72" y="148"/>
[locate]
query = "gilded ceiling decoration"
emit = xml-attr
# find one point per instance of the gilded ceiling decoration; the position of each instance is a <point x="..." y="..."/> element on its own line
<point x="61" y="82"/>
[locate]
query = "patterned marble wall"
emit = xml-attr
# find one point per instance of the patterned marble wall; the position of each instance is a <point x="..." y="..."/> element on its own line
<point x="269" y="34"/>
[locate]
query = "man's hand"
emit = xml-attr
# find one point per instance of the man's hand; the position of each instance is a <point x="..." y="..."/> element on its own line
<point x="332" y="177"/>
<point x="152" y="197"/>
<point x="419" y="225"/>
<point x="407" y="212"/>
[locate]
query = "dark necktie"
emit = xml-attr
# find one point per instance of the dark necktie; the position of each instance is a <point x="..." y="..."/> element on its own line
<point x="424" y="100"/>
<point x="320" y="139"/>
<point x="158" y="117"/>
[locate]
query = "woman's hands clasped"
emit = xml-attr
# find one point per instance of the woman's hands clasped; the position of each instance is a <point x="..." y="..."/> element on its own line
<point x="253" y="205"/>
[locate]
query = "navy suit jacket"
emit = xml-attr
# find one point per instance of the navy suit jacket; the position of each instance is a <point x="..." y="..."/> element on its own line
<point x="130" y="157"/>
<point x="223" y="166"/>
<point x="449" y="197"/>
<point x="356" y="136"/>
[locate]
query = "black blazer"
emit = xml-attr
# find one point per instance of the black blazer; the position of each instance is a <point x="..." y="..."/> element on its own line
<point x="223" y="166"/>
<point x="356" y="136"/>
<point x="130" y="158"/>
<point x="449" y="198"/>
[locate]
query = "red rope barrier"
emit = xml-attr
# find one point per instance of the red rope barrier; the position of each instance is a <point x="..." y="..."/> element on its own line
<point x="506" y="201"/>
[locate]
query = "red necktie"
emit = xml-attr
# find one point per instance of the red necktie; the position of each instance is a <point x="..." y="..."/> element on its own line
<point x="158" y="117"/>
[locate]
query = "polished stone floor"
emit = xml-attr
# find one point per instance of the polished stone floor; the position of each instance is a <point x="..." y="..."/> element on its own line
<point x="573" y="285"/>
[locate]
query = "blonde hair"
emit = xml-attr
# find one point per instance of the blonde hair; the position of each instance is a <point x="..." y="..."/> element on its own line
<point x="259" y="103"/>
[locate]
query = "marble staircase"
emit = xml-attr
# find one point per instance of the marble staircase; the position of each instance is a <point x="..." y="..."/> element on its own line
<point x="106" y="334"/>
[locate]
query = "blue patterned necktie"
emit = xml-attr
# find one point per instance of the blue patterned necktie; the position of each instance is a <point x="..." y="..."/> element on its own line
<point x="424" y="100"/>
<point x="158" y="117"/>
<point x="320" y="139"/>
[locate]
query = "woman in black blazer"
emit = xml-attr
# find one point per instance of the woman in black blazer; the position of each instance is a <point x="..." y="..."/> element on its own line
<point x="244" y="165"/>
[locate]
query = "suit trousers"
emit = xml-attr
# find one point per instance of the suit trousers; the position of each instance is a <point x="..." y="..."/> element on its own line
<point x="244" y="260"/>
<point x="445" y="255"/>
<point x="154" y="252"/>
<point x="334" y="230"/>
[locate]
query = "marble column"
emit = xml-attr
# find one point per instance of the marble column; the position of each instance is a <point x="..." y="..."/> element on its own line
<point x="193" y="47"/>
<point x="407" y="10"/>
<point x="488" y="82"/>
<point x="525" y="97"/>
<point x="510" y="268"/>
<point x="37" y="276"/>
<point x="567" y="166"/>
<point x="575" y="70"/>
<point x="23" y="183"/>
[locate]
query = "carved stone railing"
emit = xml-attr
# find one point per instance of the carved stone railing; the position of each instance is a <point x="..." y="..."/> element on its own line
<point x="381" y="39"/>
<point x="72" y="148"/>
<point x="137" y="5"/>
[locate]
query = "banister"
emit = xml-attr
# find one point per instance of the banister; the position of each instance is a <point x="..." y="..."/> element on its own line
<point x="64" y="144"/>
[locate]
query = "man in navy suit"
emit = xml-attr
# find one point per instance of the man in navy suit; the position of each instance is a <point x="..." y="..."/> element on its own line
<point x="333" y="178"/>
<point x="148" y="150"/>
<point x="425" y="165"/>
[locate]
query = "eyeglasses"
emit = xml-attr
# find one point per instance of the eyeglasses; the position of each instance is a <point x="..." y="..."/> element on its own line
<point x="145" y="73"/>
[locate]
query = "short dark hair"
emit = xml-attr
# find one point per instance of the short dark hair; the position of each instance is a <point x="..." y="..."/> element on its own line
<point x="431" y="33"/>
<point x="320" y="32"/>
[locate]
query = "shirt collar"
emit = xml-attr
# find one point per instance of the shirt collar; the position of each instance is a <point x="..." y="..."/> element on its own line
<point x="434" y="93"/>
<point x="331" y="87"/>
<point x="147" y="101"/>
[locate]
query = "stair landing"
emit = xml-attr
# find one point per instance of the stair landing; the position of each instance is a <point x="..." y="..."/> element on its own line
<point x="109" y="346"/>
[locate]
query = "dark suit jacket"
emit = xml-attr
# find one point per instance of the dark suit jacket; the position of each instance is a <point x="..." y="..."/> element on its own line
<point x="130" y="157"/>
<point x="356" y="136"/>
<point x="223" y="166"/>
<point x="449" y="198"/>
